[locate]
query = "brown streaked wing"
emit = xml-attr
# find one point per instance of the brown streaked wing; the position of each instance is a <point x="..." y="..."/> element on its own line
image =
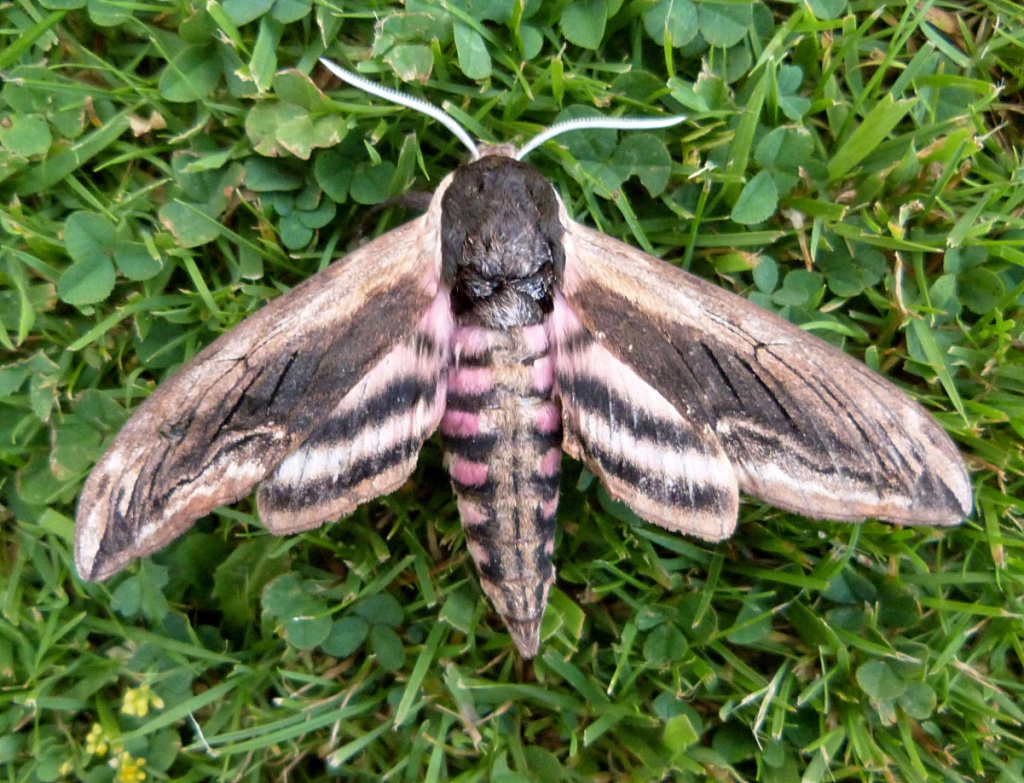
<point x="806" y="427"/>
<point x="369" y="443"/>
<point x="669" y="469"/>
<point x="206" y="436"/>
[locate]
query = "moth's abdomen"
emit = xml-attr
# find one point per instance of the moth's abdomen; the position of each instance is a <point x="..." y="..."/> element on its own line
<point x="502" y="436"/>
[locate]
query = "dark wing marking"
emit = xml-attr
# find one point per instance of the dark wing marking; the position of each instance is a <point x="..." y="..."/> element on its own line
<point x="369" y="443"/>
<point x="806" y="427"/>
<point x="223" y="422"/>
<point x="668" y="468"/>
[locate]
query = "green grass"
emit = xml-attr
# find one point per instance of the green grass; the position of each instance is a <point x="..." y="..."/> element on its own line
<point x="165" y="169"/>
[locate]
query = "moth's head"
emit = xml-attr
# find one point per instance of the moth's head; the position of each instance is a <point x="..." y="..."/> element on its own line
<point x="497" y="151"/>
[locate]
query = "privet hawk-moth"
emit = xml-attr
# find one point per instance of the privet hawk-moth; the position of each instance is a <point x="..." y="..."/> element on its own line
<point x="519" y="334"/>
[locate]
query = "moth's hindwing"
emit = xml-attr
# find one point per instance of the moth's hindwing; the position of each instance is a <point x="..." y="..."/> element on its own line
<point x="205" y="437"/>
<point x="369" y="443"/>
<point x="668" y="468"/>
<point x="805" y="427"/>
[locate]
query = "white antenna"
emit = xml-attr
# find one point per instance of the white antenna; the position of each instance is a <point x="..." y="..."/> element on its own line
<point x="403" y="100"/>
<point x="583" y="123"/>
<point x="580" y="123"/>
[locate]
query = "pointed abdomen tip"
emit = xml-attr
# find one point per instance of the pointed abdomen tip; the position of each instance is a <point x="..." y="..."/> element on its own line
<point x="526" y="635"/>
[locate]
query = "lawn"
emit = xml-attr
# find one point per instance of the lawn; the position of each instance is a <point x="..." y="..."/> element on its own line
<point x="166" y="169"/>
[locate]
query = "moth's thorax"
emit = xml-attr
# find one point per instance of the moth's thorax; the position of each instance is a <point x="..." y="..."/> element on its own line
<point x="501" y="243"/>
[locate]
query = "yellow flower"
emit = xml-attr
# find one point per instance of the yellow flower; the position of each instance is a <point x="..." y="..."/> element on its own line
<point x="129" y="770"/>
<point x="137" y="701"/>
<point x="96" y="741"/>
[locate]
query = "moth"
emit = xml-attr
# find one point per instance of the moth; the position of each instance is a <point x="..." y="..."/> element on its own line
<point x="518" y="334"/>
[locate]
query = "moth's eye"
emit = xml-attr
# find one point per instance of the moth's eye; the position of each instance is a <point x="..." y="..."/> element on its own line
<point x="482" y="287"/>
<point x="535" y="286"/>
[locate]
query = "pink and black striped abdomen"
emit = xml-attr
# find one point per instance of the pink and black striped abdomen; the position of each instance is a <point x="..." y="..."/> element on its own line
<point x="502" y="436"/>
